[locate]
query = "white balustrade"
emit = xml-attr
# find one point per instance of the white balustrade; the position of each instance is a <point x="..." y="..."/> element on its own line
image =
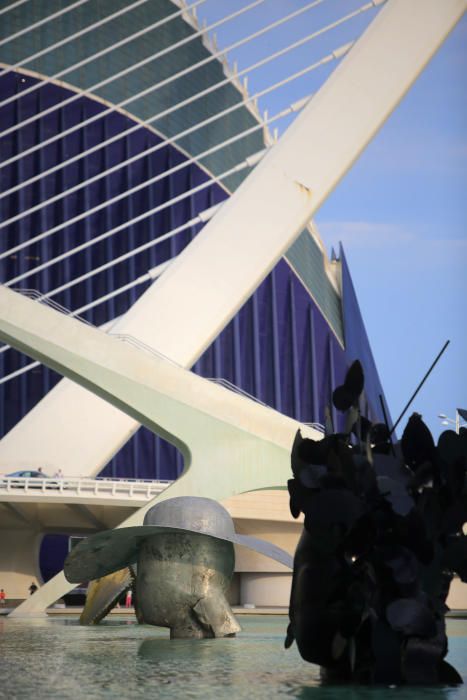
<point x="81" y="486"/>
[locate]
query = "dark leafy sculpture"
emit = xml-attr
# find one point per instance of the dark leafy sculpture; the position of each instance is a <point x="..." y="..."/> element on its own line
<point x="382" y="540"/>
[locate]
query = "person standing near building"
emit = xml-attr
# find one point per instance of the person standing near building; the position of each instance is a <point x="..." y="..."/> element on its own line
<point x="2" y="597"/>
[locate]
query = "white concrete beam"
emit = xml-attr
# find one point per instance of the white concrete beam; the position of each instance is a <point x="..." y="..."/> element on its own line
<point x="195" y="298"/>
<point x="231" y="444"/>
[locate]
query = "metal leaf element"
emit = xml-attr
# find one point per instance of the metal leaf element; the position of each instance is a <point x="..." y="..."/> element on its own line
<point x="420" y="661"/>
<point x="354" y="380"/>
<point x="387" y="465"/>
<point x="451" y="447"/>
<point x="294" y="502"/>
<point x="365" y="427"/>
<point x="313" y="451"/>
<point x="380" y="437"/>
<point x="289" y="638"/>
<point x="334" y="507"/>
<point x="387" y="652"/>
<point x="353" y="414"/>
<point x="423" y="476"/>
<point x="341" y="398"/>
<point x="296" y="459"/>
<point x="417" y="442"/>
<point x="310" y="476"/>
<point x="403" y="564"/>
<point x="448" y="674"/>
<point x="339" y="645"/>
<point x="347" y="395"/>
<point x="381" y="540"/>
<point x="395" y="494"/>
<point x="410" y="616"/>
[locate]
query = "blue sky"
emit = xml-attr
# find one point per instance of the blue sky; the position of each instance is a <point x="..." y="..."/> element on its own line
<point x="401" y="212"/>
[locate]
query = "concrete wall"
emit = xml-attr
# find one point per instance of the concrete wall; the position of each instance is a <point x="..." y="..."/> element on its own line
<point x="19" y="561"/>
<point x="457" y="598"/>
<point x="265" y="589"/>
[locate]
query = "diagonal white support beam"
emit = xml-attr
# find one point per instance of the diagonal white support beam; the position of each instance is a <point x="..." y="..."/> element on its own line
<point x="230" y="443"/>
<point x="213" y="277"/>
<point x="200" y="417"/>
<point x="196" y="297"/>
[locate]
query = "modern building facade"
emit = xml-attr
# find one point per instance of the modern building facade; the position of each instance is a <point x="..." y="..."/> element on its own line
<point x="288" y="346"/>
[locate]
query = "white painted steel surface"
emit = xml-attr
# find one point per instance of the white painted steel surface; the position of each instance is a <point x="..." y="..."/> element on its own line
<point x="230" y="443"/>
<point x="194" y="299"/>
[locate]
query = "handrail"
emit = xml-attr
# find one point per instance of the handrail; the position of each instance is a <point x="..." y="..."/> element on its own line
<point x="132" y="340"/>
<point x="35" y="295"/>
<point x="146" y="488"/>
<point x="237" y="390"/>
<point x="316" y="426"/>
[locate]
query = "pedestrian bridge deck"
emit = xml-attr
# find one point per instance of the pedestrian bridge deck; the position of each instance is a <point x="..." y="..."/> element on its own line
<point x="77" y="504"/>
<point x="79" y="490"/>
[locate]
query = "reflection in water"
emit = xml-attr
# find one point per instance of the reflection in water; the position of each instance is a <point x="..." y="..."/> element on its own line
<point x="57" y="658"/>
<point x="190" y="661"/>
<point x="375" y="693"/>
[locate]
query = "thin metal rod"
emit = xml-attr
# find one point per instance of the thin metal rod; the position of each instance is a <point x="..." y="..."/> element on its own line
<point x="289" y="110"/>
<point x="152" y="274"/>
<point x="144" y="215"/>
<point x="40" y="22"/>
<point x="153" y="149"/>
<point x="130" y="69"/>
<point x="96" y="55"/>
<point x="66" y="40"/>
<point x="175" y="76"/>
<point x="201" y="218"/>
<point x="386" y="422"/>
<point x="336" y="54"/>
<point x="13" y="6"/>
<point x="419" y="386"/>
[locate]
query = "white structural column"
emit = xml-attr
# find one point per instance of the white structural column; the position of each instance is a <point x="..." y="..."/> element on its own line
<point x="230" y="443"/>
<point x="188" y="306"/>
<point x="206" y="421"/>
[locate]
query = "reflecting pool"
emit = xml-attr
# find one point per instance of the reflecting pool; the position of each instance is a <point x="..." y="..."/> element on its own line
<point x="56" y="658"/>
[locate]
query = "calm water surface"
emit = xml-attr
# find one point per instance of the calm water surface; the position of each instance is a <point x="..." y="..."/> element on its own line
<point x="56" y="658"/>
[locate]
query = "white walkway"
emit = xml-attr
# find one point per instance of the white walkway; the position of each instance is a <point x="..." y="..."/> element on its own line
<point x="102" y="491"/>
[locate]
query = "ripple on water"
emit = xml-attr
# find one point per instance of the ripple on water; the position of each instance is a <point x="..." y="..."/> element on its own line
<point x="56" y="658"/>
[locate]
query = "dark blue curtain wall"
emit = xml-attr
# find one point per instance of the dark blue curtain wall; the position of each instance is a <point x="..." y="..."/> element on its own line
<point x="356" y="340"/>
<point x="279" y="347"/>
